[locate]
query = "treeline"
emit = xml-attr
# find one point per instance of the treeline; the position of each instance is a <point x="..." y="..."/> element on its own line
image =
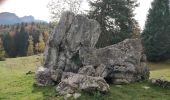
<point x="24" y="39"/>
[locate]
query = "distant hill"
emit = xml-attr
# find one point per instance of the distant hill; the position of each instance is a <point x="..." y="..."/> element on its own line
<point x="27" y="19"/>
<point x="7" y="18"/>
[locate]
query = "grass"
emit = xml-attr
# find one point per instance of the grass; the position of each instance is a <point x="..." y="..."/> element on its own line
<point x="16" y="85"/>
<point x="160" y="70"/>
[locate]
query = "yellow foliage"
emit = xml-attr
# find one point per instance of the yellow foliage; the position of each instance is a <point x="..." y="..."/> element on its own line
<point x="46" y="35"/>
<point x="40" y="46"/>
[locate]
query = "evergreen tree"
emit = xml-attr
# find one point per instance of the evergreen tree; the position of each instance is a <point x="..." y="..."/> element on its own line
<point x="156" y="34"/>
<point x="30" y="46"/>
<point x="116" y="19"/>
<point x="2" y="51"/>
<point x="22" y="41"/>
<point x="9" y="44"/>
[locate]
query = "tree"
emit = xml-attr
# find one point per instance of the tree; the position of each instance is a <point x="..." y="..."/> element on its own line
<point x="116" y="19"/>
<point x="2" y="51"/>
<point x="30" y="50"/>
<point x="156" y="34"/>
<point x="21" y="41"/>
<point x="41" y="44"/>
<point x="9" y="44"/>
<point x="45" y="35"/>
<point x="56" y="7"/>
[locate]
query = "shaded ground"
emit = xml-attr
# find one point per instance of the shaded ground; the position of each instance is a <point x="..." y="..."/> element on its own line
<point x="16" y="85"/>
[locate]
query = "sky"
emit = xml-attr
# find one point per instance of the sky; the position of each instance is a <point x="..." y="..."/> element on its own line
<point x="38" y="8"/>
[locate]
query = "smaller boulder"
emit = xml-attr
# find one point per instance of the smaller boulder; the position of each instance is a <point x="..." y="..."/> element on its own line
<point x="72" y="83"/>
<point x="161" y="82"/>
<point x="43" y="77"/>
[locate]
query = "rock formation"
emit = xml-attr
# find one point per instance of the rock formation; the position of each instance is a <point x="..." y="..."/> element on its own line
<point x="72" y="61"/>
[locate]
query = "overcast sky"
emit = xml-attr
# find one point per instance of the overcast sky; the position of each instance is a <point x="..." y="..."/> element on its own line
<point x="38" y="8"/>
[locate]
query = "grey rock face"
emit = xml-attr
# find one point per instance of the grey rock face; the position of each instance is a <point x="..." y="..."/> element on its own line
<point x="72" y="83"/>
<point x="71" y="59"/>
<point x="71" y="34"/>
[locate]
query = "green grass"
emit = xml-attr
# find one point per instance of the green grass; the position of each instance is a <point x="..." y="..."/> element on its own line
<point x="16" y="85"/>
<point x="160" y="70"/>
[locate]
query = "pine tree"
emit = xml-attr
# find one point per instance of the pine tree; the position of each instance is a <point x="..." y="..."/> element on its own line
<point x="116" y="19"/>
<point x="156" y="34"/>
<point x="2" y="51"/>
<point x="30" y="46"/>
<point x="41" y="44"/>
<point x="21" y="40"/>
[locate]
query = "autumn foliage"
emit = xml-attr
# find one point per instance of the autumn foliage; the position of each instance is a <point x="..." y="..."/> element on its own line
<point x="24" y="39"/>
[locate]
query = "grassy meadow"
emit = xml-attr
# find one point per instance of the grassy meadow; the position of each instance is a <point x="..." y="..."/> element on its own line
<point x="16" y="85"/>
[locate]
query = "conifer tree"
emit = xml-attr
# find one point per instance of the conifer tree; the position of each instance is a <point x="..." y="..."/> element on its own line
<point x="156" y="34"/>
<point x="21" y="40"/>
<point x="30" y="46"/>
<point x="2" y="51"/>
<point x="116" y="19"/>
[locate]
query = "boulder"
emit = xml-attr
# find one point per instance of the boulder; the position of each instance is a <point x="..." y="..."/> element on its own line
<point x="120" y="63"/>
<point x="62" y="49"/>
<point x="72" y="83"/>
<point x="72" y="33"/>
<point x="161" y="82"/>
<point x="43" y="77"/>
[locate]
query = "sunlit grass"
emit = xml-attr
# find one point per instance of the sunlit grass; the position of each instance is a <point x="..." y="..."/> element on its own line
<point x="16" y="85"/>
<point x="160" y="70"/>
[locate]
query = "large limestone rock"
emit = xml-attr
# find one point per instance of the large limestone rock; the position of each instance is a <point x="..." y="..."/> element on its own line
<point x="71" y="34"/>
<point x="120" y="63"/>
<point x="71" y="49"/>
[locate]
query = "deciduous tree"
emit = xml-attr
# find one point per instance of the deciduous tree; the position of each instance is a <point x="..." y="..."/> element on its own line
<point x="41" y="44"/>
<point x="30" y="50"/>
<point x="56" y="7"/>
